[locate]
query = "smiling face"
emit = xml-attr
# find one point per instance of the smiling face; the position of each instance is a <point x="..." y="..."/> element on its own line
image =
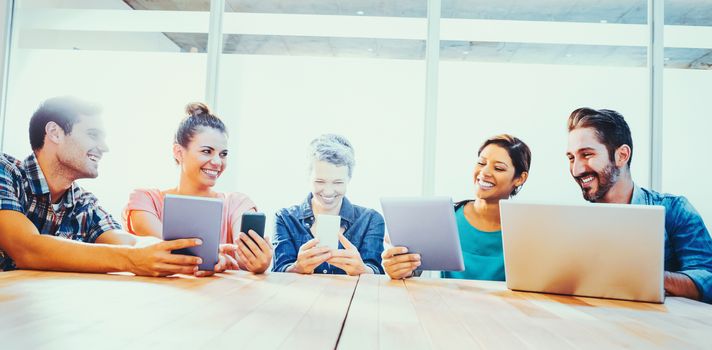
<point x="329" y="184"/>
<point x="494" y="174"/>
<point x="79" y="152"/>
<point x="590" y="164"/>
<point x="205" y="157"/>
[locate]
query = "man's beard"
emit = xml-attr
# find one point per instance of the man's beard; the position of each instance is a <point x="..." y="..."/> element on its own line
<point x="605" y="179"/>
<point x="75" y="168"/>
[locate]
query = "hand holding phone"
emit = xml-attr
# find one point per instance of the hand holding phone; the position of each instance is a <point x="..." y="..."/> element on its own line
<point x="253" y="256"/>
<point x="253" y="221"/>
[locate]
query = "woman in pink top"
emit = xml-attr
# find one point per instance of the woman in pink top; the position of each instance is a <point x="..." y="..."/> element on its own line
<point x="200" y="149"/>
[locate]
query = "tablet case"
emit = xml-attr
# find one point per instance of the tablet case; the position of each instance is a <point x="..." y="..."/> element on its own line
<point x="194" y="217"/>
<point x="427" y="226"/>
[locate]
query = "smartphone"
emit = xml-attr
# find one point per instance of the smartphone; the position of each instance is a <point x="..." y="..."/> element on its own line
<point x="327" y="230"/>
<point x="253" y="221"/>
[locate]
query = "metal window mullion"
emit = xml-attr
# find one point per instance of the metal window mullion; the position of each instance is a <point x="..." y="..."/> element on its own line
<point x="432" y="61"/>
<point x="656" y="62"/>
<point x="215" y="42"/>
<point x="6" y="51"/>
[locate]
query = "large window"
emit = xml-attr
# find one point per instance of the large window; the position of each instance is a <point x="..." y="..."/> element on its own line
<point x="284" y="72"/>
<point x="686" y="104"/>
<point x="122" y="57"/>
<point x="520" y="68"/>
<point x="291" y="71"/>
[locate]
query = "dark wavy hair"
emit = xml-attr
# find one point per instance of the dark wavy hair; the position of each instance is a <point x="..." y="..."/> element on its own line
<point x="65" y="111"/>
<point x="199" y="116"/>
<point x="610" y="126"/>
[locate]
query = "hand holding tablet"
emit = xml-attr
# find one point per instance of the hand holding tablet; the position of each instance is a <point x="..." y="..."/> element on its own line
<point x="426" y="226"/>
<point x="194" y="217"/>
<point x="398" y="263"/>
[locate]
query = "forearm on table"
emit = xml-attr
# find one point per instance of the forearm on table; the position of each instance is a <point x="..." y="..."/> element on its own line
<point x="59" y="254"/>
<point x="679" y="284"/>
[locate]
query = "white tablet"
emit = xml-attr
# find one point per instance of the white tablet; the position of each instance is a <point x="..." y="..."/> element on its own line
<point x="427" y="226"/>
<point x="194" y="217"/>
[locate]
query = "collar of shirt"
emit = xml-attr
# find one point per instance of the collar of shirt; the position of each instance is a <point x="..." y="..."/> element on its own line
<point x="638" y="195"/>
<point x="346" y="213"/>
<point x="38" y="182"/>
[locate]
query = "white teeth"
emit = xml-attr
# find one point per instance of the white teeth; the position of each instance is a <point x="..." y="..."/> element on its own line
<point x="210" y="172"/>
<point x="94" y="158"/>
<point x="587" y="179"/>
<point x="485" y="184"/>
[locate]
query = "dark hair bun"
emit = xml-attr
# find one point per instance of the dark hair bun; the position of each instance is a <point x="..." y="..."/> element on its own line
<point x="199" y="116"/>
<point x="197" y="108"/>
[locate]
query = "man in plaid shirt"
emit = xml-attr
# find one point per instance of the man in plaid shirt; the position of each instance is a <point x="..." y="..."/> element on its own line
<point x="48" y="222"/>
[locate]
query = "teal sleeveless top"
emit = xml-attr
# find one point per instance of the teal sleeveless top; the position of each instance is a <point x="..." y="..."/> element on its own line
<point x="482" y="252"/>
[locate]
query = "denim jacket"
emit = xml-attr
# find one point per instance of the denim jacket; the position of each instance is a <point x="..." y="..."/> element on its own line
<point x="688" y="246"/>
<point x="364" y="229"/>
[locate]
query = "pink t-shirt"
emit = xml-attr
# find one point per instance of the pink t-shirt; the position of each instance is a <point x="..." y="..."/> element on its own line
<point x="151" y="200"/>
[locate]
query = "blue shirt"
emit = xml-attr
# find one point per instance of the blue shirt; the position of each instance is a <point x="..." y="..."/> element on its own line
<point x="23" y="188"/>
<point x="481" y="251"/>
<point x="364" y="229"/>
<point x="688" y="246"/>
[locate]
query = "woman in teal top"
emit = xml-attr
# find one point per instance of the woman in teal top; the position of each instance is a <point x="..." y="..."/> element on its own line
<point x="481" y="250"/>
<point x="501" y="170"/>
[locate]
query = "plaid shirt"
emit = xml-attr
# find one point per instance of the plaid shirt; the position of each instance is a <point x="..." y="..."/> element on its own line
<point x="23" y="188"/>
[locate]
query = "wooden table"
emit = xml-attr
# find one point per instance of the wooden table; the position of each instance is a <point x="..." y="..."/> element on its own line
<point x="237" y="310"/>
<point x="455" y="314"/>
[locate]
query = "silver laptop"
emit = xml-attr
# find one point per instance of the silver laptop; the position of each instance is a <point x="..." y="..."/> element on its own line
<point x="427" y="226"/>
<point x="598" y="250"/>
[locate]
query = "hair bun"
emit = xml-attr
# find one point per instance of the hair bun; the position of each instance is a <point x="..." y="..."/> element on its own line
<point x="197" y="108"/>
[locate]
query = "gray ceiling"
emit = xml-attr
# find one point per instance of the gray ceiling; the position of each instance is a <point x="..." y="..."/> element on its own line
<point x="677" y="12"/>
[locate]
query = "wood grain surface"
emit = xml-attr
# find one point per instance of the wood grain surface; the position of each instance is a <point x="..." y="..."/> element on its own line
<point x="238" y="310"/>
<point x="421" y="313"/>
